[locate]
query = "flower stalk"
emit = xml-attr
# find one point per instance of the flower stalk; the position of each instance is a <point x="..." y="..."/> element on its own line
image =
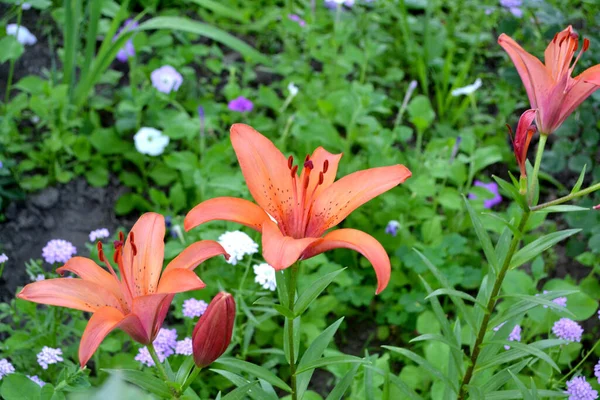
<point x="491" y="305"/>
<point x="291" y="279"/>
<point x="536" y="168"/>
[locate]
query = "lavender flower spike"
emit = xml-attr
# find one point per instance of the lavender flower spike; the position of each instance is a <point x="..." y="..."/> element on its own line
<point x="166" y="79"/>
<point x="6" y="368"/>
<point x="193" y="308"/>
<point x="597" y="371"/>
<point x="297" y="19"/>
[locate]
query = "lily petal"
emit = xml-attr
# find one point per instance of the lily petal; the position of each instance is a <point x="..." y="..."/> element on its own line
<point x="90" y="271"/>
<point x="179" y="280"/>
<point x="151" y="311"/>
<point x="585" y="84"/>
<point x="103" y="321"/>
<point x="533" y="73"/>
<point x="226" y="209"/>
<point x="132" y="325"/>
<point x="358" y="241"/>
<point x="265" y="169"/>
<point x="559" y="53"/>
<point x="347" y="194"/>
<point x="318" y="157"/>
<point x="73" y="293"/>
<point x="142" y="271"/>
<point x="195" y="254"/>
<point x="282" y="251"/>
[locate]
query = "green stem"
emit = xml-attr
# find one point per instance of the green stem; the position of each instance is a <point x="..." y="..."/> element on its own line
<point x="291" y="286"/>
<point x="157" y="363"/>
<point x="190" y="378"/>
<point x="491" y="305"/>
<point x="574" y="369"/>
<point x="11" y="70"/>
<point x="569" y="197"/>
<point x="536" y="167"/>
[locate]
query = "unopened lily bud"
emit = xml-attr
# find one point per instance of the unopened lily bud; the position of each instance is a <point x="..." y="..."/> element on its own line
<point x="213" y="331"/>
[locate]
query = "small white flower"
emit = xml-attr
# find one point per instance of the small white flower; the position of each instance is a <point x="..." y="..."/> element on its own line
<point x="3" y="258"/>
<point x="150" y="141"/>
<point x="23" y="36"/>
<point x="25" y="6"/>
<point x="265" y="276"/>
<point x="467" y="89"/>
<point x="237" y="244"/>
<point x="293" y="89"/>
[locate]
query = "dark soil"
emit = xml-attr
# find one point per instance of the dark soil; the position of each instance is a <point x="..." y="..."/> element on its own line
<point x="68" y="212"/>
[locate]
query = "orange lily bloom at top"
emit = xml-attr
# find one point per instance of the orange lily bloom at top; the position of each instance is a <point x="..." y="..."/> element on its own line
<point x="550" y="88"/>
<point x="295" y="211"/>
<point x="138" y="302"/>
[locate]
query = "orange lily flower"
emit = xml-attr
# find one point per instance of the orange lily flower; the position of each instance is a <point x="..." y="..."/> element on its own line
<point x="138" y="302"/>
<point x="520" y="141"/>
<point x="550" y="88"/>
<point x="294" y="212"/>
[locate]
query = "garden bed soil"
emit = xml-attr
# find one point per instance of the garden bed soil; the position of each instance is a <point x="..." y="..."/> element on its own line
<point x="70" y="212"/>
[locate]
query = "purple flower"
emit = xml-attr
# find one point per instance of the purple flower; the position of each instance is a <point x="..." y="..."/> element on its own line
<point x="561" y="301"/>
<point x="513" y="6"/>
<point x="164" y="344"/>
<point x="166" y="79"/>
<point x="165" y="341"/>
<point x="145" y="358"/>
<point x="3" y="258"/>
<point x="1" y="165"/>
<point x="48" y="356"/>
<point x="37" y="380"/>
<point x="168" y="221"/>
<point x="240" y="104"/>
<point x="493" y="189"/>
<point x="597" y="371"/>
<point x="392" y="228"/>
<point x="332" y="4"/>
<point x="513" y="336"/>
<point x="6" y="368"/>
<point x="127" y="51"/>
<point x="193" y="308"/>
<point x="579" y="389"/>
<point x="296" y="18"/>
<point x="184" y="347"/>
<point x="567" y="329"/>
<point x="39" y="277"/>
<point x="98" y="234"/>
<point x="58" y="250"/>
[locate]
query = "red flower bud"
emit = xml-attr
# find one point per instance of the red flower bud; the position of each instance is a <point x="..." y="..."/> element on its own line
<point x="213" y="331"/>
<point x="521" y="140"/>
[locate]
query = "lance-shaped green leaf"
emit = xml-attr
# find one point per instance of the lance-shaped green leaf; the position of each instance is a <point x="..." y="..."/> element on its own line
<point x="539" y="245"/>
<point x="332" y="360"/>
<point x="424" y="364"/>
<point x="498" y="380"/>
<point x="143" y="380"/>
<point x="239" y="393"/>
<point x="453" y="292"/>
<point x="342" y="386"/>
<point x="313" y="291"/>
<point x="563" y="208"/>
<point x="579" y="182"/>
<point x="516" y="394"/>
<point x="256" y="391"/>
<point x="529" y="302"/>
<point x="184" y="370"/>
<point x="435" y="337"/>
<point x="524" y="391"/>
<point x="515" y="353"/>
<point x="484" y="238"/>
<point x="252" y="369"/>
<point x="403" y="387"/>
<point x="530" y="350"/>
<point x="313" y="353"/>
<point x="512" y="191"/>
<point x="267" y="301"/>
